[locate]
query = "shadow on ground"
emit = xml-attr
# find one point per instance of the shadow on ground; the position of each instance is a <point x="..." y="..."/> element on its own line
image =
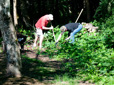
<point x="34" y="71"/>
<point x="37" y="69"/>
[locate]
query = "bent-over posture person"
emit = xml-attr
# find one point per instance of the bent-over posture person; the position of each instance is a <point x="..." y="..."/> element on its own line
<point x="40" y="26"/>
<point x="72" y="29"/>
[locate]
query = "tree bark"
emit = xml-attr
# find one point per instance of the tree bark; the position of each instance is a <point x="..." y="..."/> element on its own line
<point x="88" y="10"/>
<point x="10" y="40"/>
<point x="15" y="12"/>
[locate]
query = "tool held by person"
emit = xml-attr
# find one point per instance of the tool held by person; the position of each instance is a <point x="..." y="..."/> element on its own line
<point x="72" y="28"/>
<point x="53" y="33"/>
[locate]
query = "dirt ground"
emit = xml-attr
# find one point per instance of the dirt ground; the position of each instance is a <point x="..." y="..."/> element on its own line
<point x="50" y="64"/>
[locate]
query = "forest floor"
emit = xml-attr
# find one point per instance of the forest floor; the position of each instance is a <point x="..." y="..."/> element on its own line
<point x="39" y="71"/>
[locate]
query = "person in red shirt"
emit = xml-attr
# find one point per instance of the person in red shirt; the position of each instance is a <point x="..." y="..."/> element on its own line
<point x="40" y="26"/>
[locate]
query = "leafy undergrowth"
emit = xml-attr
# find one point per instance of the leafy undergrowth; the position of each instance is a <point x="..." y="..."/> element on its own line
<point x="90" y="59"/>
<point x="92" y="54"/>
<point x="52" y="72"/>
<point x="38" y="72"/>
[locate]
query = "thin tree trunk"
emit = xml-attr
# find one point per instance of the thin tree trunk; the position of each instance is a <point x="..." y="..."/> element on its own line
<point x="88" y="10"/>
<point x="15" y="12"/>
<point x="10" y="40"/>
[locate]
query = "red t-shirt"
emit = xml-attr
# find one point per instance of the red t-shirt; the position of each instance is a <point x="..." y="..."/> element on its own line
<point x="42" y="22"/>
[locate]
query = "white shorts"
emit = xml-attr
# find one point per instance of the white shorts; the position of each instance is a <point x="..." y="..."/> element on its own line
<point x="39" y="32"/>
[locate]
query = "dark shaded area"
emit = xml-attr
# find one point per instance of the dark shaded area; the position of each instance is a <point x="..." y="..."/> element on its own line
<point x="38" y="70"/>
<point x="64" y="11"/>
<point x="33" y="71"/>
<point x="2" y="68"/>
<point x="21" y="39"/>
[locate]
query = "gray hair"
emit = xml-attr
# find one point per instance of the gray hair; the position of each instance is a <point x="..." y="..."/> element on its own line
<point x="62" y="28"/>
<point x="50" y="16"/>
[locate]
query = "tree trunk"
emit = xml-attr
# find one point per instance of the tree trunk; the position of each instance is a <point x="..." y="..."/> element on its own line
<point x="88" y="10"/>
<point x="10" y="40"/>
<point x="15" y="12"/>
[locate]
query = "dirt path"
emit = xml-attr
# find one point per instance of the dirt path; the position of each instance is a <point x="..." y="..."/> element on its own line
<point x="42" y="75"/>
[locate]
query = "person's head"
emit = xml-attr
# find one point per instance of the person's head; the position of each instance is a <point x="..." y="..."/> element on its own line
<point x="50" y="17"/>
<point x="63" y="28"/>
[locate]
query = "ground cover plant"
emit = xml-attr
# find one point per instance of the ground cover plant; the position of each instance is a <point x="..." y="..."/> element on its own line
<point x="92" y="54"/>
<point x="89" y="60"/>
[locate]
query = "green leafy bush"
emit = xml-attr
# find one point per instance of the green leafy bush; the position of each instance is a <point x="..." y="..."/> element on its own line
<point x="101" y="13"/>
<point x="92" y="53"/>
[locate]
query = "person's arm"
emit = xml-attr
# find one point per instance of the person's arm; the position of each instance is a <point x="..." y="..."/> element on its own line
<point x="43" y="24"/>
<point x="59" y="37"/>
<point x="67" y="38"/>
<point x="47" y="28"/>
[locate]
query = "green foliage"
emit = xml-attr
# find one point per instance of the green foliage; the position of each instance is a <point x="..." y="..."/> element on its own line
<point x="92" y="53"/>
<point x="108" y="31"/>
<point x="29" y="33"/>
<point x="102" y="13"/>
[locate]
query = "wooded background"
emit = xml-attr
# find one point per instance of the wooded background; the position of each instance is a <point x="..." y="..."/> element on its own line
<point x="64" y="11"/>
<point x="23" y="14"/>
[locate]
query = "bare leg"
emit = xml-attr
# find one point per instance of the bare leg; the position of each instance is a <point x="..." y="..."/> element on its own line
<point x="35" y="41"/>
<point x="40" y="41"/>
